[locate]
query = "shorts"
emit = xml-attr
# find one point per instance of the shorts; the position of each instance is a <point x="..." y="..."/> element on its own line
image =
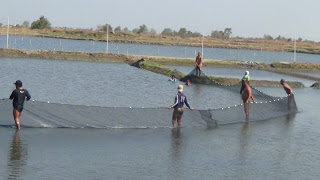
<point x="18" y="108"/>
<point x="178" y="111"/>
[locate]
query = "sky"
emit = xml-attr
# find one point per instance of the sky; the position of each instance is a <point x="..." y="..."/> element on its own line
<point x="246" y="18"/>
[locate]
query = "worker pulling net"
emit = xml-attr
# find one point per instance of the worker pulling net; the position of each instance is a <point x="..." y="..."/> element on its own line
<point x="55" y="115"/>
<point x="204" y="79"/>
<point x="267" y="107"/>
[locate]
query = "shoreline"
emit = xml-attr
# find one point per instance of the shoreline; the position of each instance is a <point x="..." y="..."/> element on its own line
<point x="307" y="47"/>
<point x="291" y="69"/>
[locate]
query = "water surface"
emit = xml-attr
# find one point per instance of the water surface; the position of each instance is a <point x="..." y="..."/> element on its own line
<point x="282" y="148"/>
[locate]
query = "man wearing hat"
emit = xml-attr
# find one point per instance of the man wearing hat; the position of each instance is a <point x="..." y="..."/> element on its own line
<point x="18" y="95"/>
<point x="179" y="102"/>
<point x="246" y="77"/>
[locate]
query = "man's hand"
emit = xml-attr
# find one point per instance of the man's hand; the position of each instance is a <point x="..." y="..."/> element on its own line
<point x="169" y="107"/>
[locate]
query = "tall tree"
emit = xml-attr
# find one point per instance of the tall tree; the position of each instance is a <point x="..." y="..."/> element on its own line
<point x="105" y="27"/>
<point x="25" y="24"/>
<point x="167" y="32"/>
<point x="227" y="33"/>
<point x="182" y="31"/>
<point x="41" y="23"/>
<point x="143" y="29"/>
<point x="118" y="28"/>
<point x="217" y="34"/>
<point x="126" y="29"/>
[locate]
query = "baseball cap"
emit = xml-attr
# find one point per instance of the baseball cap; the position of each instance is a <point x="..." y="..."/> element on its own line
<point x="18" y="83"/>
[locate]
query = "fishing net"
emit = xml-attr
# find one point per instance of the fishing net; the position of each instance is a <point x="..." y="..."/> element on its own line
<point x="56" y="115"/>
<point x="267" y="107"/>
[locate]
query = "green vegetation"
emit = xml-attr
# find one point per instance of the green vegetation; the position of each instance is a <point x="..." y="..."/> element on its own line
<point x="41" y="23"/>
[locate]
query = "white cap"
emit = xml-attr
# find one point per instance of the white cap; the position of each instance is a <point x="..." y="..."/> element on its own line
<point x="180" y="88"/>
<point x="247" y="72"/>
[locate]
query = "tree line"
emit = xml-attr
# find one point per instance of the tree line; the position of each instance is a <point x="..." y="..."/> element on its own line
<point x="43" y="23"/>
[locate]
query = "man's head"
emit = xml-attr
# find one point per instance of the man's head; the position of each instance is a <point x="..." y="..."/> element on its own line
<point x="18" y="83"/>
<point x="180" y="88"/>
<point x="173" y="76"/>
<point x="199" y="54"/>
<point x="246" y="73"/>
<point x="282" y="81"/>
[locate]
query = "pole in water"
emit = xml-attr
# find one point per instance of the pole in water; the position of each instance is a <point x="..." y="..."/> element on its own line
<point x="202" y="45"/>
<point x="107" y="48"/>
<point x="295" y="44"/>
<point x="8" y="34"/>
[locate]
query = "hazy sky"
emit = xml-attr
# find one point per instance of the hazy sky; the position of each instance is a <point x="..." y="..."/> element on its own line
<point x="247" y="18"/>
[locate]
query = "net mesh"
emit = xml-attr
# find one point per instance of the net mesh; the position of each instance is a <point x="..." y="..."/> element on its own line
<point x="56" y="115"/>
<point x="267" y="107"/>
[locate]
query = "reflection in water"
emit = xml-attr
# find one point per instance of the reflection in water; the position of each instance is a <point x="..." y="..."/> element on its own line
<point x="244" y="153"/>
<point x="244" y="141"/>
<point x="290" y="118"/>
<point x="17" y="157"/>
<point x="285" y="134"/>
<point x="175" y="151"/>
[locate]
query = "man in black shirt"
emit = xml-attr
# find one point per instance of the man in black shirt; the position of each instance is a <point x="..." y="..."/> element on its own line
<point x="19" y="95"/>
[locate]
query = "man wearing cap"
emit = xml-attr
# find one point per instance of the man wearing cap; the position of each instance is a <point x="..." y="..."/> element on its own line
<point x="246" y="96"/>
<point x="179" y="102"/>
<point x="18" y="95"/>
<point x="246" y="77"/>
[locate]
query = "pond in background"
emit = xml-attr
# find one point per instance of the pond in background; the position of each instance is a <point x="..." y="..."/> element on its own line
<point x="41" y="43"/>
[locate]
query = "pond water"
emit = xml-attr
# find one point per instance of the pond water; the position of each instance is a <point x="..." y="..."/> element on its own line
<point x="41" y="43"/>
<point x="280" y="148"/>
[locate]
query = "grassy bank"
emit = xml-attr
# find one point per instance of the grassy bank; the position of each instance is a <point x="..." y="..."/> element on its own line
<point x="232" y="43"/>
<point x="160" y="69"/>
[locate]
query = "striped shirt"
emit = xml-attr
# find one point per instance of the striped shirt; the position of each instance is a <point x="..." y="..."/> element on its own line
<point x="180" y="100"/>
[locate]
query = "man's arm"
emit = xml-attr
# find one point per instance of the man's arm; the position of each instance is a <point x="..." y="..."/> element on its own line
<point x="28" y="96"/>
<point x="175" y="102"/>
<point x="187" y="104"/>
<point x="11" y="96"/>
<point x="253" y="99"/>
